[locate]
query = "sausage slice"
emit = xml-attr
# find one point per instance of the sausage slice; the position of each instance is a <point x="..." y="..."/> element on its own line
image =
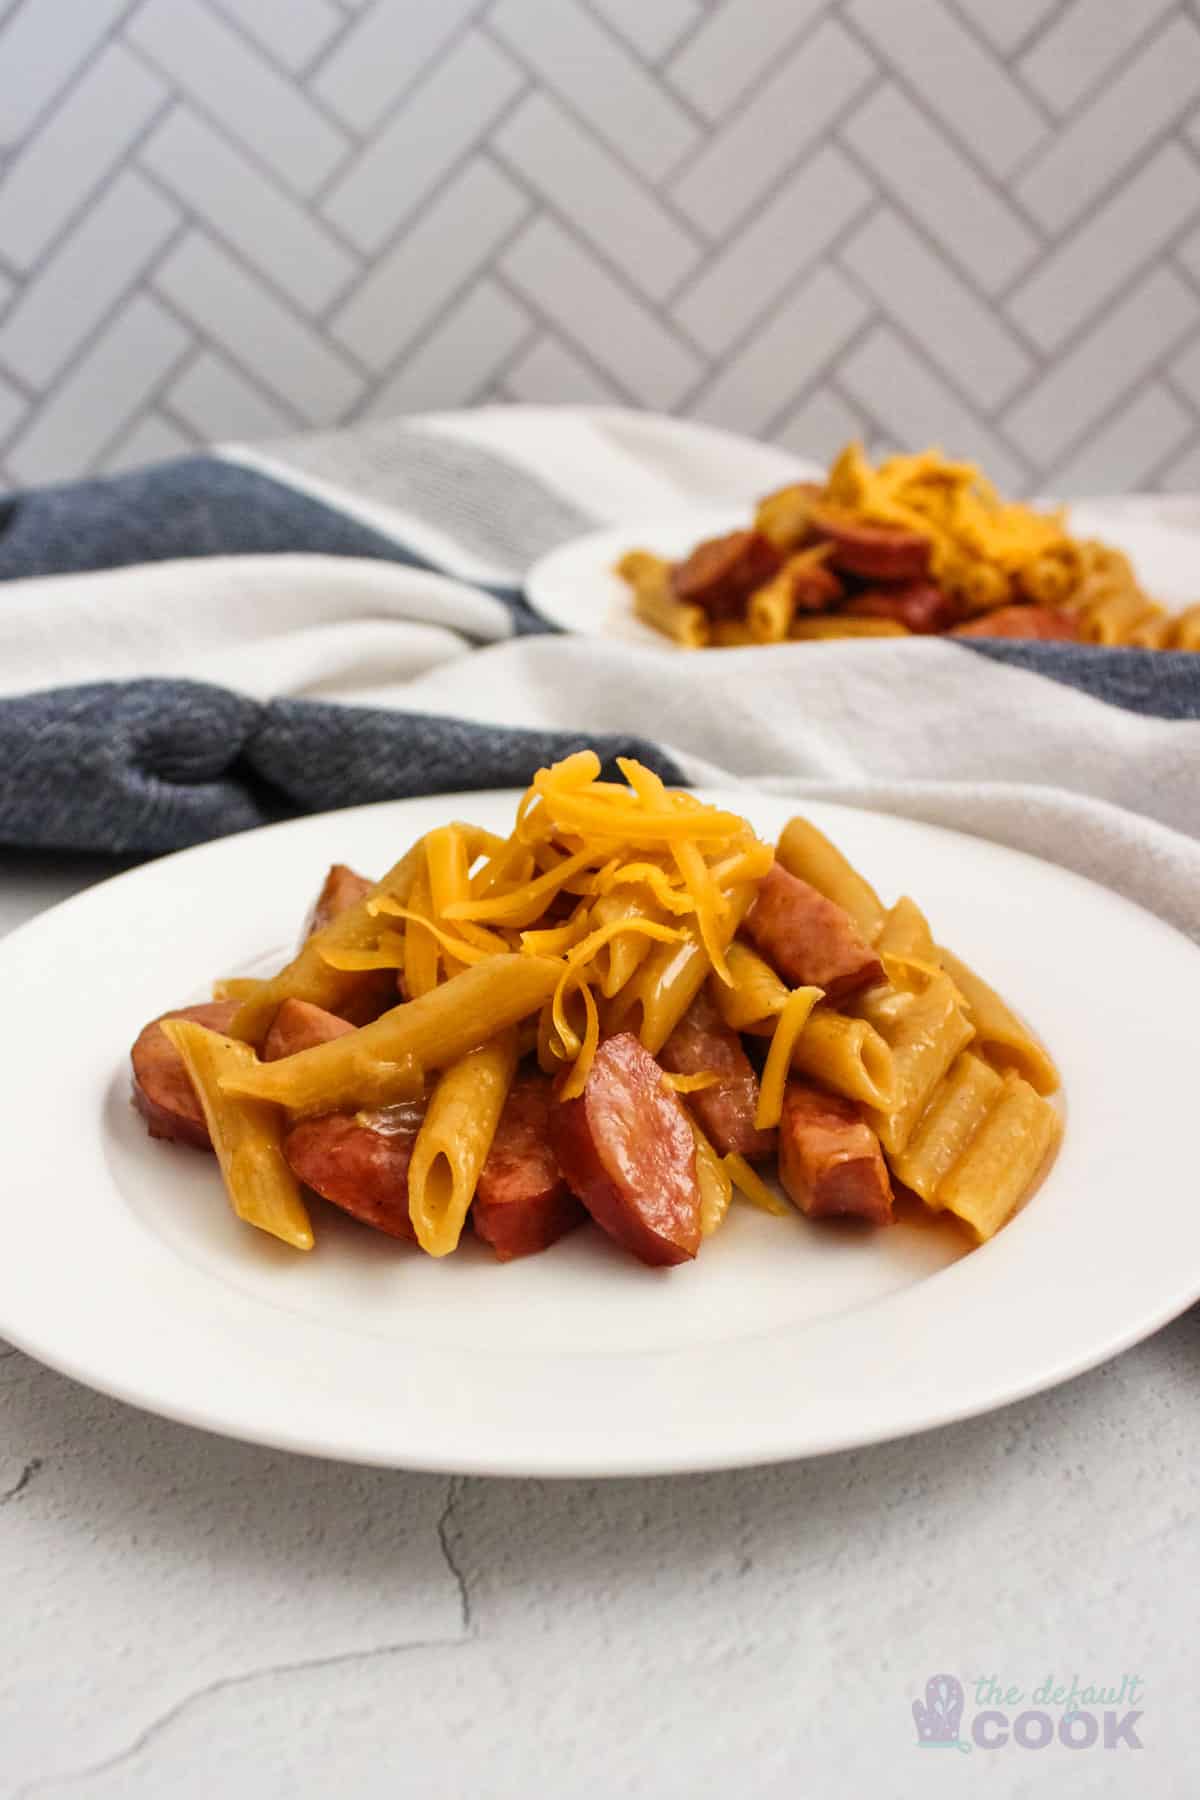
<point x="627" y="1150"/>
<point x="809" y="940"/>
<point x="343" y="888"/>
<point x="725" y="1112"/>
<point x="298" y="1025"/>
<point x="829" y="1158"/>
<point x="878" y="552"/>
<point x="375" y="990"/>
<point x="1021" y="622"/>
<point x="363" y="1168"/>
<point x="162" y="1089"/>
<point x="815" y="589"/>
<point x="522" y="1202"/>
<point x="721" y="573"/>
<point x="920" y="606"/>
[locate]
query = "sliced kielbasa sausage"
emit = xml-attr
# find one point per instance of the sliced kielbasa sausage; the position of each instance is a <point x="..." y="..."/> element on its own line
<point x="815" y="589"/>
<point x="721" y="573"/>
<point x="725" y="1112"/>
<point x="522" y="1202"/>
<point x="1020" y="622"/>
<point x="343" y="888"/>
<point x="808" y="939"/>
<point x="162" y="1088"/>
<point x="829" y="1158"/>
<point x="374" y="990"/>
<point x="298" y="1025"/>
<point x="627" y="1150"/>
<point x="878" y="552"/>
<point x="921" y="606"/>
<point x="360" y="1162"/>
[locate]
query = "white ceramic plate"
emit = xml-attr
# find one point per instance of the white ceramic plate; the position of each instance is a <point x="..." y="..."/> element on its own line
<point x="575" y="586"/>
<point x="123" y="1267"/>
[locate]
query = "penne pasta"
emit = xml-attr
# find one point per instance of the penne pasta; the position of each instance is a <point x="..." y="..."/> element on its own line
<point x="999" y="1034"/>
<point x="1003" y="1159"/>
<point x="1111" y="618"/>
<point x="905" y="932"/>
<point x="770" y="608"/>
<point x="848" y="1056"/>
<point x="756" y="995"/>
<point x="446" y="862"/>
<point x="1155" y="632"/>
<point x="662" y="989"/>
<point x="784" y="517"/>
<point x="454" y="1139"/>
<point x="428" y="1033"/>
<point x="1051" y="578"/>
<point x="731" y="634"/>
<point x="1185" y="632"/>
<point x="421" y="951"/>
<point x="678" y="619"/>
<point x="642" y="567"/>
<point x="956" y="1110"/>
<point x="655" y="604"/>
<point x="982" y="586"/>
<point x="246" y="1135"/>
<point x="236" y="987"/>
<point x="925" y="1031"/>
<point x="617" y="961"/>
<point x="808" y="854"/>
<point x="815" y="626"/>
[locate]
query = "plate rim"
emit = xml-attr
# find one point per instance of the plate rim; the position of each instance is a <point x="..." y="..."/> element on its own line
<point x="703" y="520"/>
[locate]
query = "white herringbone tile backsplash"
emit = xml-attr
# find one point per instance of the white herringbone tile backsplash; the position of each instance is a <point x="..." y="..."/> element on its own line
<point x="970" y="221"/>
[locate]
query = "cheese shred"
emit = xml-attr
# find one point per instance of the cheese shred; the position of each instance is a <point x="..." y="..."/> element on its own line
<point x="789" y="1025"/>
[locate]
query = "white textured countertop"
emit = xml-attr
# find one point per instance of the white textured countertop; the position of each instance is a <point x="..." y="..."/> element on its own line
<point x="190" y="1617"/>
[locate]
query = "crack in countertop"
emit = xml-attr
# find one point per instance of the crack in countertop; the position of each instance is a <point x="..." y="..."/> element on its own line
<point x="23" y="1480"/>
<point x="223" y="1683"/>
<point x="453" y="1495"/>
<point x="45" y="1784"/>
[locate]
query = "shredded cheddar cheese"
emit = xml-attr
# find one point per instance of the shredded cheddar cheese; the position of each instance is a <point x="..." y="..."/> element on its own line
<point x="980" y="545"/>
<point x="691" y="1084"/>
<point x="751" y="1185"/>
<point x="594" y="874"/>
<point x="789" y="1025"/>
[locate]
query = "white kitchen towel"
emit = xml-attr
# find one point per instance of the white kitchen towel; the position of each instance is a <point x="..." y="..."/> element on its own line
<point x="306" y="572"/>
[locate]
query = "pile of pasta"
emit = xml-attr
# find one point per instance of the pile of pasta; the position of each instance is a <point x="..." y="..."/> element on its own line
<point x="559" y="1019"/>
<point x="916" y="545"/>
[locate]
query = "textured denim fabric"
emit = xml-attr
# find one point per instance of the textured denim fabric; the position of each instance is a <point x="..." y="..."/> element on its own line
<point x="147" y="766"/>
